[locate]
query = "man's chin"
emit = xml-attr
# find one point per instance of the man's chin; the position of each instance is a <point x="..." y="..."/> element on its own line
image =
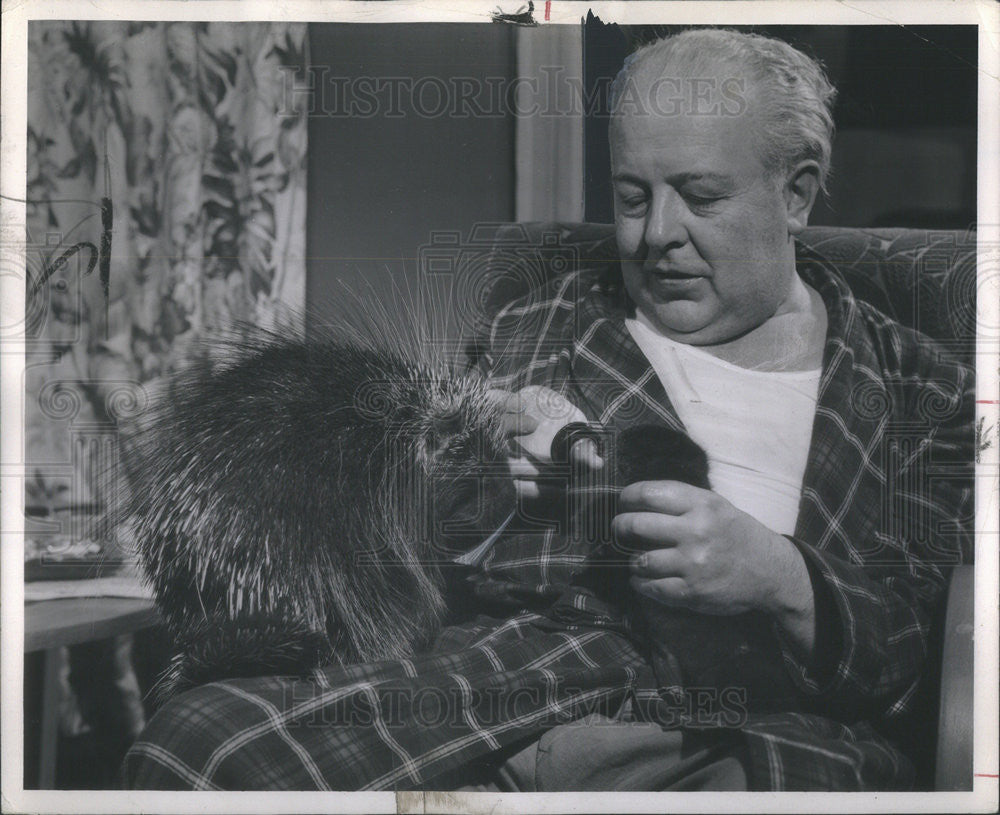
<point x="682" y="321"/>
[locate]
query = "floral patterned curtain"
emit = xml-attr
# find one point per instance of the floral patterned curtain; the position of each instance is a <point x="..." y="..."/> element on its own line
<point x="171" y="151"/>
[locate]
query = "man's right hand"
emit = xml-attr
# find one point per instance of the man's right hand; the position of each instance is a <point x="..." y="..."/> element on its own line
<point x="532" y="417"/>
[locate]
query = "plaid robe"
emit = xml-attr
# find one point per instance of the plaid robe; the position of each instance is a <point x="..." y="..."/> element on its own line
<point x="886" y="510"/>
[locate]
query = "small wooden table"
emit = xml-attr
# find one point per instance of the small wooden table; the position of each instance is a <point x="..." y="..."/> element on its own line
<point x="51" y="624"/>
<point x="54" y="623"/>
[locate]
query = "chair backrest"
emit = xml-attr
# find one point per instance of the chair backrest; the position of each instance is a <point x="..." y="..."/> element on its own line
<point x="925" y="279"/>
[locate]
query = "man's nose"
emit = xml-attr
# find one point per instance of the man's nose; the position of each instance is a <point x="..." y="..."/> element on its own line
<point x="665" y="228"/>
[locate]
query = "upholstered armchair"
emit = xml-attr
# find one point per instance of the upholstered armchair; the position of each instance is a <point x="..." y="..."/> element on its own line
<point x="925" y="279"/>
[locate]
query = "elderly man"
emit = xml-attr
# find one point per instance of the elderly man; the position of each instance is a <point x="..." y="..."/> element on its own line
<point x="817" y="553"/>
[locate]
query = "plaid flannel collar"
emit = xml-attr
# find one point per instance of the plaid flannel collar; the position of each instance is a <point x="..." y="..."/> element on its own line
<point x="850" y="408"/>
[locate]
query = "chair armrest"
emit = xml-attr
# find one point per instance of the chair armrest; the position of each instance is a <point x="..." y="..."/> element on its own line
<point x="953" y="766"/>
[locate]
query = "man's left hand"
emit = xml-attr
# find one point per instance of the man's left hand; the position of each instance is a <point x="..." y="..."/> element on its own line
<point x="697" y="551"/>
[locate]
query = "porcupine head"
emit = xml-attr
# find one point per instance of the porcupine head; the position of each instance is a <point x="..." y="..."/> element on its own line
<point x="294" y="504"/>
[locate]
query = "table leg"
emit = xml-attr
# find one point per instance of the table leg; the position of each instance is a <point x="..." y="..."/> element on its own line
<point x="51" y="697"/>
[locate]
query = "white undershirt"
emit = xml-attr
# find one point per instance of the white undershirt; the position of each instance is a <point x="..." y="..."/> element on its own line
<point x="755" y="426"/>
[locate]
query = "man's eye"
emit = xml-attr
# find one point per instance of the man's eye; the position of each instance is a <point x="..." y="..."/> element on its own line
<point x="632" y="204"/>
<point x="701" y="201"/>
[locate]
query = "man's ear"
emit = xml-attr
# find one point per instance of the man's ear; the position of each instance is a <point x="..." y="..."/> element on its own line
<point x="801" y="189"/>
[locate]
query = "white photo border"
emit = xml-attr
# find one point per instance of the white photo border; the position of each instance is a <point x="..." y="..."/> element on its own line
<point x="15" y="18"/>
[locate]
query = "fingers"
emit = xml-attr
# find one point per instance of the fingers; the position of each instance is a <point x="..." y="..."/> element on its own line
<point x="669" y="591"/>
<point x="523" y="468"/>
<point x="659" y="564"/>
<point x="577" y="444"/>
<point x="538" y="413"/>
<point x="531" y="483"/>
<point x="516" y="418"/>
<point x="526" y="491"/>
<point x="499" y="395"/>
<point x="549" y="406"/>
<point x="585" y="454"/>
<point x="528" y="409"/>
<point x="671" y="497"/>
<point x="532" y="417"/>
<point x="644" y="531"/>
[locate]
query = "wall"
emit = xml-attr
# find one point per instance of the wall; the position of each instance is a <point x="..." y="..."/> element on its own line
<point x="380" y="184"/>
<point x="905" y="149"/>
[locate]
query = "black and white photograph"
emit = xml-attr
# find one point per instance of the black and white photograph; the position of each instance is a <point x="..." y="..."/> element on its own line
<point x="459" y="407"/>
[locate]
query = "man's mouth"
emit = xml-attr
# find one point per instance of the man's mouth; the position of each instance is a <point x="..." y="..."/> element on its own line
<point x="671" y="275"/>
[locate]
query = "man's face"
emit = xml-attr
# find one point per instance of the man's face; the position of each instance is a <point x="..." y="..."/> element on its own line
<point x="702" y="229"/>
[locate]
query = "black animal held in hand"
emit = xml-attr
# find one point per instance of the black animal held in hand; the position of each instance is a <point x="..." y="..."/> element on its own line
<point x="296" y="503"/>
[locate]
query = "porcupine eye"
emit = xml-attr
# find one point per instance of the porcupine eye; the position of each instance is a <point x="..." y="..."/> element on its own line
<point x="445" y="426"/>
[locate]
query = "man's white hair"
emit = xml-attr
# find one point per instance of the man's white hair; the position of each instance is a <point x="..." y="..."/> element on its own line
<point x="794" y="95"/>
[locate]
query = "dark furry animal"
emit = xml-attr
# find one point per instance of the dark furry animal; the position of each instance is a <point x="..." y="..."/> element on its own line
<point x="289" y="503"/>
<point x="734" y="662"/>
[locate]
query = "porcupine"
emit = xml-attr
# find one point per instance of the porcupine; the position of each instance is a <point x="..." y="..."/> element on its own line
<point x="279" y="504"/>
